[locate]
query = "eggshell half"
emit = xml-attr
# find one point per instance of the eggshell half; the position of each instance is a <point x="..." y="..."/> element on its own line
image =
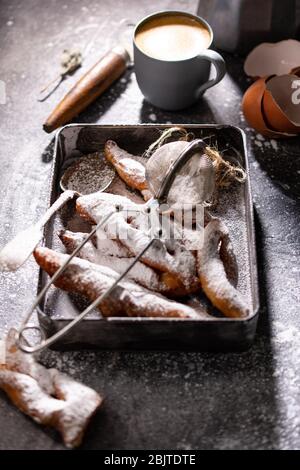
<point x="253" y="110"/>
<point x="281" y="112"/>
<point x="273" y="58"/>
<point x="295" y="71"/>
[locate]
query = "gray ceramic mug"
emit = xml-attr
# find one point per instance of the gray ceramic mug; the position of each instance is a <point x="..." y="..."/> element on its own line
<point x="176" y="84"/>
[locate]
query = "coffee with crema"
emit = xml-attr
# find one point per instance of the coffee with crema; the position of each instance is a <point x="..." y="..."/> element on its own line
<point x="172" y="37"/>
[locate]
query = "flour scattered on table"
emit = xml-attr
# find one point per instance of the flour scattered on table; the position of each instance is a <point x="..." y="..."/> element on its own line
<point x="153" y="117"/>
<point x="262" y="142"/>
<point x="286" y="334"/>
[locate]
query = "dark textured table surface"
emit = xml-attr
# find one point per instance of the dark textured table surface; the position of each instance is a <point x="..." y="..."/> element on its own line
<point x="152" y="400"/>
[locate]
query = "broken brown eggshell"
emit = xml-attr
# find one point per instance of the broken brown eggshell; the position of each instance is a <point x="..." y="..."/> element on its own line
<point x="295" y="71"/>
<point x="254" y="112"/>
<point x="273" y="59"/>
<point x="281" y="103"/>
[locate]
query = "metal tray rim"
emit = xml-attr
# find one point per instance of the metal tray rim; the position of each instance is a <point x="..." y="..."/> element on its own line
<point x="254" y="275"/>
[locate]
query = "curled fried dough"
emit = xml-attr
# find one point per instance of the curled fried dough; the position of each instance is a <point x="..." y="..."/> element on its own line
<point x="105" y="246"/>
<point x="131" y="171"/>
<point x="127" y="299"/>
<point x="46" y="395"/>
<point x="212" y="273"/>
<point x="227" y="256"/>
<point x="140" y="273"/>
<point x="132" y="230"/>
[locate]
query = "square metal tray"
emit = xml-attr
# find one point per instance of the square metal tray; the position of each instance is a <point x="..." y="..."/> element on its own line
<point x="235" y="208"/>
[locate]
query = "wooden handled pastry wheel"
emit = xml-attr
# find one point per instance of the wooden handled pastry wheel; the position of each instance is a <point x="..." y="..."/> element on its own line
<point x="160" y="197"/>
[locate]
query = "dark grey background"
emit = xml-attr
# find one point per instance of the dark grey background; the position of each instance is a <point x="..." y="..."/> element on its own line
<point x="152" y="400"/>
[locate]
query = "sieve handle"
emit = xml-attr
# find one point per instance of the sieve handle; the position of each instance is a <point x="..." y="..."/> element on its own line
<point x="60" y="202"/>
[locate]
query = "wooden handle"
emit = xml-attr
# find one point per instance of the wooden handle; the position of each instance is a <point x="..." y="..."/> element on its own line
<point x="88" y="88"/>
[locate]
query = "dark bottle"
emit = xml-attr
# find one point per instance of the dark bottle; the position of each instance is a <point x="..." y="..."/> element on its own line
<point x="240" y="25"/>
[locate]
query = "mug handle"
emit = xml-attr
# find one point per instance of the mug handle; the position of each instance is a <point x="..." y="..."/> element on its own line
<point x="220" y="66"/>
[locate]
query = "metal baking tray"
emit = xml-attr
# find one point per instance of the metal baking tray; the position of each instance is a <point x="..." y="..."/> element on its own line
<point x="235" y="208"/>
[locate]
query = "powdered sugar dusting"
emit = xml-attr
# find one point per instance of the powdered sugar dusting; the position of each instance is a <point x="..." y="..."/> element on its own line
<point x="134" y="235"/>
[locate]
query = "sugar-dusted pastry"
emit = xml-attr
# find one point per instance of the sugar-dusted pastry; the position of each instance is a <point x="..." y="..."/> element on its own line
<point x="128" y="168"/>
<point x="212" y="273"/>
<point x="48" y="396"/>
<point x="227" y="255"/>
<point x="127" y="299"/>
<point x="140" y="273"/>
<point x="132" y="229"/>
<point x="105" y="246"/>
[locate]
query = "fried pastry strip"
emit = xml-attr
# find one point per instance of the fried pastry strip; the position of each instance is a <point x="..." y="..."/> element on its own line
<point x="131" y="171"/>
<point x="127" y="299"/>
<point x="132" y="229"/>
<point x="105" y="246"/>
<point x="140" y="273"/>
<point x="48" y="396"/>
<point x="212" y="273"/>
